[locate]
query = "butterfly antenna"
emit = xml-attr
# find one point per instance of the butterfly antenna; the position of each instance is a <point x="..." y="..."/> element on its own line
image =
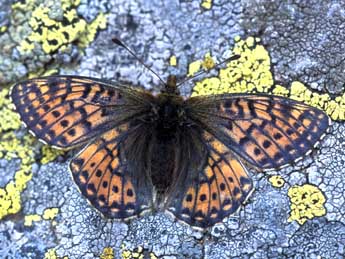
<point x="234" y="57"/>
<point x="121" y="44"/>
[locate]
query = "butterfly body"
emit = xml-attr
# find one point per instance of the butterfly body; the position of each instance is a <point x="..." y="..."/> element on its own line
<point x="182" y="155"/>
<point x="161" y="132"/>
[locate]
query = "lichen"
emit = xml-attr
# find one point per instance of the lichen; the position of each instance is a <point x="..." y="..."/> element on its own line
<point x="108" y="253"/>
<point x="3" y="29"/>
<point x="276" y="181"/>
<point x="249" y="73"/>
<point x="48" y="214"/>
<point x="173" y="61"/>
<point x="137" y="253"/>
<point x="88" y="35"/>
<point x="9" y="119"/>
<point x="280" y="90"/>
<point x="307" y="201"/>
<point x="56" y="33"/>
<point x="43" y="72"/>
<point x="49" y="154"/>
<point x="206" y="4"/>
<point x="12" y="147"/>
<point x="193" y="68"/>
<point x="208" y="62"/>
<point x="30" y="219"/>
<point x="41" y="33"/>
<point x="51" y="254"/>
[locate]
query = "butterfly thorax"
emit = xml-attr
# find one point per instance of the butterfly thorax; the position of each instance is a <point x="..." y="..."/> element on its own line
<point x="168" y="114"/>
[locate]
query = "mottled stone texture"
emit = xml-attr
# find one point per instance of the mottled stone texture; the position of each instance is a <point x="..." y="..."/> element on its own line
<point x="306" y="42"/>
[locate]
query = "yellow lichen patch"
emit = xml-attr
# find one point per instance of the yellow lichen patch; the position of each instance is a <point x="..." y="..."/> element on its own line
<point x="307" y="201"/>
<point x="3" y="29"/>
<point x="300" y="92"/>
<point x="51" y="254"/>
<point x="50" y="213"/>
<point x="23" y="5"/>
<point x="173" y="61"/>
<point x="89" y="34"/>
<point x="335" y="108"/>
<point x="54" y="34"/>
<point x="280" y="90"/>
<point x="153" y="256"/>
<point x="277" y="181"/>
<point x="108" y="253"/>
<point x="194" y="67"/>
<point x="137" y="253"/>
<point x="50" y="154"/>
<point x="206" y="4"/>
<point x="8" y="118"/>
<point x="30" y="219"/>
<point x="11" y="147"/>
<point x="249" y="73"/>
<point x="208" y="62"/>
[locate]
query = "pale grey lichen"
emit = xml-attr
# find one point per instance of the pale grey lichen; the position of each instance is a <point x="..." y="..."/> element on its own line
<point x="155" y="30"/>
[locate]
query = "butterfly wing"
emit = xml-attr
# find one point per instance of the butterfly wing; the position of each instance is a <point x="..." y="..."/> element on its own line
<point x="66" y="111"/>
<point x="214" y="190"/>
<point x="266" y="131"/>
<point x="111" y="183"/>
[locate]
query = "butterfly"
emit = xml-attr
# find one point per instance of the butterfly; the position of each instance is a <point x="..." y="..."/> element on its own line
<point x="144" y="151"/>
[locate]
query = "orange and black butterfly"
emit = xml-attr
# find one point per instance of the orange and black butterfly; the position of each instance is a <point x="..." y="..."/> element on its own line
<point x="144" y="151"/>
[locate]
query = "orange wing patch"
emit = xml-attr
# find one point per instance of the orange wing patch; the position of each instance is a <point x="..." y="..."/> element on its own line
<point x="103" y="177"/>
<point x="66" y="111"/>
<point x="216" y="192"/>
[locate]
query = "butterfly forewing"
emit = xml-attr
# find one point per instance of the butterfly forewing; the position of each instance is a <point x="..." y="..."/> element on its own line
<point x="266" y="131"/>
<point x="65" y="111"/>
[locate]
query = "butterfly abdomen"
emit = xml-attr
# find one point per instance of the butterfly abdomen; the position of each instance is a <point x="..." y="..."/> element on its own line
<point x="162" y="165"/>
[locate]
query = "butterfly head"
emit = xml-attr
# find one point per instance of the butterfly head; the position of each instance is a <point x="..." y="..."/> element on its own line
<point x="171" y="86"/>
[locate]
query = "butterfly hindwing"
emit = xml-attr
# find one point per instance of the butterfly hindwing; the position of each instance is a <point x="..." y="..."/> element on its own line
<point x="214" y="192"/>
<point x="65" y="111"/>
<point x="266" y="131"/>
<point x="106" y="178"/>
